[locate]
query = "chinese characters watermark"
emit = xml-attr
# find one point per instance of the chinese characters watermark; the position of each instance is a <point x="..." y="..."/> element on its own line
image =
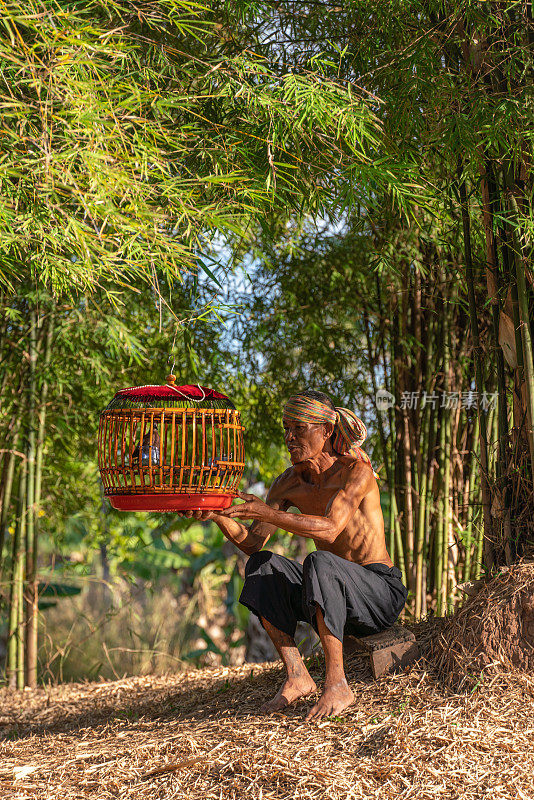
<point x="451" y="400"/>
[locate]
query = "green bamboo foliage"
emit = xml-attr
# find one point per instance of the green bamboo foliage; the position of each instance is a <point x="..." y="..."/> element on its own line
<point x="207" y="142"/>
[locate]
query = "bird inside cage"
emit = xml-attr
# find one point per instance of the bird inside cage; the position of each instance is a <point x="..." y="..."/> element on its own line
<point x="149" y="450"/>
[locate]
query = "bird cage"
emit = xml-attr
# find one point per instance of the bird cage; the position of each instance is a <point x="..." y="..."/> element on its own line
<point x="170" y="448"/>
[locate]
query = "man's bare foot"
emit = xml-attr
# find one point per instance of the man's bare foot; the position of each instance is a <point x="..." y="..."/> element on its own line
<point x="291" y="690"/>
<point x="334" y="699"/>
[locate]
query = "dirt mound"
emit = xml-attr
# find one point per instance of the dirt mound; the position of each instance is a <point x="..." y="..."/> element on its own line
<point x="492" y="632"/>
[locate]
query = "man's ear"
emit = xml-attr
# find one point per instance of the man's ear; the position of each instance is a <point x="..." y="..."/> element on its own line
<point x="328" y="429"/>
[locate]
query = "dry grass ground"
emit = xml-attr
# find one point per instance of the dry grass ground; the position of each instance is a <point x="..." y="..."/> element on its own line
<point x="199" y="735"/>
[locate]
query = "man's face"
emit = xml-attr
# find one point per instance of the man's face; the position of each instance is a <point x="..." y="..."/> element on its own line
<point x="304" y="440"/>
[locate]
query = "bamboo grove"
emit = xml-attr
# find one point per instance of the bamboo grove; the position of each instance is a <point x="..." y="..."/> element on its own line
<point x="449" y="296"/>
<point x="374" y="175"/>
<point x="20" y="492"/>
<point x="132" y="139"/>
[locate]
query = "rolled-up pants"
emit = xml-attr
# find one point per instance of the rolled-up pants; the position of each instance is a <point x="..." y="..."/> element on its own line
<point x="354" y="599"/>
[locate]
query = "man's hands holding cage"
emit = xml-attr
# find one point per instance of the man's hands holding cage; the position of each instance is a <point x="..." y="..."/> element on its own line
<point x="251" y="508"/>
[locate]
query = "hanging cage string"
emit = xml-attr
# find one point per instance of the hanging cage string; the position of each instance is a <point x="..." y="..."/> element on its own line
<point x="193" y="399"/>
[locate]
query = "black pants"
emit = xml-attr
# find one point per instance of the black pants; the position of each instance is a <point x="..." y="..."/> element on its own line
<point x="354" y="599"/>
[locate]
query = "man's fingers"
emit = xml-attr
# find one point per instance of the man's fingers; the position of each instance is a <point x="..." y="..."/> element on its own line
<point x="198" y="513"/>
<point x="245" y="496"/>
<point x="231" y="512"/>
<point x="237" y="511"/>
<point x="240" y="507"/>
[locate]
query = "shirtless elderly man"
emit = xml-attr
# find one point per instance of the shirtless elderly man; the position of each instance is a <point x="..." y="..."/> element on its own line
<point x="349" y="584"/>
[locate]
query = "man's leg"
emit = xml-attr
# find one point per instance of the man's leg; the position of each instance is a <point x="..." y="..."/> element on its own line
<point x="298" y="682"/>
<point x="337" y="694"/>
<point x="273" y="591"/>
<point x="337" y="593"/>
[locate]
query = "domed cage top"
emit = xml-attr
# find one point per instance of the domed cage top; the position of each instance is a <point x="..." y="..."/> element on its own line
<point x="169" y="448"/>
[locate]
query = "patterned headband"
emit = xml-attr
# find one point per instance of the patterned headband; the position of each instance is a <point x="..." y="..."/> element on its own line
<point x="349" y="430"/>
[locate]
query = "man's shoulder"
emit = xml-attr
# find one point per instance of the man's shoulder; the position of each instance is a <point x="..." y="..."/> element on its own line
<point x="283" y="482"/>
<point x="286" y="478"/>
<point x="356" y="470"/>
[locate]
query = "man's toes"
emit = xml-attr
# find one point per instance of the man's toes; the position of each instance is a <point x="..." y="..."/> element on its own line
<point x="314" y="713"/>
<point x="275" y="704"/>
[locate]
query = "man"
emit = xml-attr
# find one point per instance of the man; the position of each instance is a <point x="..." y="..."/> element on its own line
<point x="349" y="584"/>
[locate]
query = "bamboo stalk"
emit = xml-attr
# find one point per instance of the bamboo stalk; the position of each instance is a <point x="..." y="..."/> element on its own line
<point x="429" y="508"/>
<point x="420" y="588"/>
<point x="420" y="537"/>
<point x="15" y="633"/>
<point x="471" y="511"/>
<point x="443" y="538"/>
<point x="439" y="533"/>
<point x="390" y="471"/>
<point x="490" y="199"/>
<point x="399" y="546"/>
<point x="408" y="504"/>
<point x="489" y="195"/>
<point x="8" y="487"/>
<point x="447" y="519"/>
<point x="526" y="338"/>
<point x="398" y="542"/>
<point x="477" y="566"/>
<point x="30" y="583"/>
<point x="406" y="546"/>
<point x="489" y="556"/>
<point x="389" y="455"/>
<point x="20" y="623"/>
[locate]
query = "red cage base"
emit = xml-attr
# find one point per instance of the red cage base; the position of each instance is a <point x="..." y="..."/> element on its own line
<point x="170" y="502"/>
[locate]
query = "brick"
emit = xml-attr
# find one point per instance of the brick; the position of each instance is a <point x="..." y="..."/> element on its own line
<point x="389" y="650"/>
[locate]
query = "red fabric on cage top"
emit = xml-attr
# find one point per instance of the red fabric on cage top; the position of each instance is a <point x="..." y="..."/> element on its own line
<point x="186" y="392"/>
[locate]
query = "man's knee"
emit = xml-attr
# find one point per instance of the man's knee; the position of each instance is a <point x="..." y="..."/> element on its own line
<point x="259" y="562"/>
<point x="319" y="561"/>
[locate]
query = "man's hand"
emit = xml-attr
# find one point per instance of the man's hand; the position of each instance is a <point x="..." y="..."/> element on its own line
<point x="199" y="514"/>
<point x="252" y="508"/>
<point x="246" y="539"/>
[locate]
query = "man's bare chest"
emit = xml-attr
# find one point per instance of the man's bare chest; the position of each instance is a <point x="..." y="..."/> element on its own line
<point x="312" y="499"/>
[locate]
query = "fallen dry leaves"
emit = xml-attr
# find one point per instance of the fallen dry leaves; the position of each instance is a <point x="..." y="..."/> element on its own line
<point x="198" y="735"/>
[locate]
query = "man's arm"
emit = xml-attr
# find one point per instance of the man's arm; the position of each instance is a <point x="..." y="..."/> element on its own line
<point x="339" y="511"/>
<point x="253" y="538"/>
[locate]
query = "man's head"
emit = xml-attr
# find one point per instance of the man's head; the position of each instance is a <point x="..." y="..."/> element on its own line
<point x="309" y="419"/>
<point x="313" y="424"/>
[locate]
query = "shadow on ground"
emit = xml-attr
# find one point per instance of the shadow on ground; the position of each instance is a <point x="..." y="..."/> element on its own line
<point x="199" y="694"/>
